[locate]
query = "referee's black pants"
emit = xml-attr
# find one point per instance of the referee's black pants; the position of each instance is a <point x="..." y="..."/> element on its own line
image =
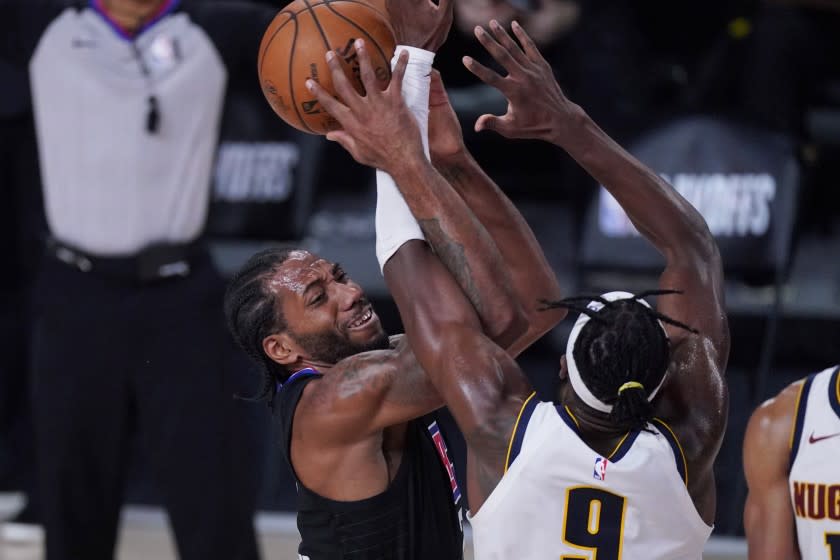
<point x="112" y="359"/>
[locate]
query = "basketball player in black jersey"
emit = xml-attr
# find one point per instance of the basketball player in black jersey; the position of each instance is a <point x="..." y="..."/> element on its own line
<point x="374" y="481"/>
<point x="481" y="384"/>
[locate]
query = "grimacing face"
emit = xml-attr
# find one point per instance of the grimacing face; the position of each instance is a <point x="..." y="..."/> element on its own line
<point x="327" y="314"/>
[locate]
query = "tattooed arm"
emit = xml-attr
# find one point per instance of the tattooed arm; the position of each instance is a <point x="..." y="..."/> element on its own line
<point x="367" y="392"/>
<point x="531" y="276"/>
<point x="479" y="381"/>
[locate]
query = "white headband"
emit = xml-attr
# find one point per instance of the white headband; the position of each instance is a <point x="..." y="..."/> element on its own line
<point x="578" y="385"/>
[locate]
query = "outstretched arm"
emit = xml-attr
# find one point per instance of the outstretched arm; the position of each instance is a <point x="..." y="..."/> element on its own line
<point x="532" y="278"/>
<point x="373" y="390"/>
<point x="472" y="257"/>
<point x="479" y="381"/>
<point x="539" y="109"/>
<point x="768" y="514"/>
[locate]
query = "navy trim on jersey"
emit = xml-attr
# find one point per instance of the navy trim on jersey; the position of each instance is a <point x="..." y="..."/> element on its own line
<point x="299" y="373"/>
<point x="834" y="391"/>
<point x="679" y="455"/>
<point x="620" y="450"/>
<point x="624" y="446"/>
<point x="799" y="423"/>
<point x="568" y="418"/>
<point x="518" y="435"/>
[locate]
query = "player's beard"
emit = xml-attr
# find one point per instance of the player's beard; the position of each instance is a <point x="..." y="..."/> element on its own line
<point x="332" y="346"/>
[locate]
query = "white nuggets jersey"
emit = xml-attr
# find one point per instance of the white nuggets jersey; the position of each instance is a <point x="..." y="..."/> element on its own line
<point x="815" y="466"/>
<point x="559" y="499"/>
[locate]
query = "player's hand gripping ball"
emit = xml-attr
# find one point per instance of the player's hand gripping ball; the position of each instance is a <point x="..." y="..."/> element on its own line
<point x="293" y="49"/>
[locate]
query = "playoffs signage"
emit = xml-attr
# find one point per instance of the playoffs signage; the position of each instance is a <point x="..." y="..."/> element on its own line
<point x="743" y="181"/>
<point x="264" y="175"/>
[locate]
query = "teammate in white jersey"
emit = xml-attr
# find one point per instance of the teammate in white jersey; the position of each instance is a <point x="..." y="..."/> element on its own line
<point x="792" y="463"/>
<point x="597" y="476"/>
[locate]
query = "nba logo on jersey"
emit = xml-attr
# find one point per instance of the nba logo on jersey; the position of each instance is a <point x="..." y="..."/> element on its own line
<point x="600" y="472"/>
<point x="443" y="453"/>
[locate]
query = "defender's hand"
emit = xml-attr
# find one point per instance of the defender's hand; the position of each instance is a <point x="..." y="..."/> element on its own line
<point x="420" y="23"/>
<point x="377" y="128"/>
<point x="446" y="141"/>
<point x="537" y="107"/>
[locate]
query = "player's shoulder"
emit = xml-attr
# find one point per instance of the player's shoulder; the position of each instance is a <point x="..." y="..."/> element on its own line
<point x="771" y="423"/>
<point x="352" y="378"/>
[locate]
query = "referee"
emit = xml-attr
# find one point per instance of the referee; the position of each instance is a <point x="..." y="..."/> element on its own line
<point x="128" y="338"/>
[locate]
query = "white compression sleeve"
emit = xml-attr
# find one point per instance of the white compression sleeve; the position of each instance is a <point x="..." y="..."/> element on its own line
<point x="395" y="224"/>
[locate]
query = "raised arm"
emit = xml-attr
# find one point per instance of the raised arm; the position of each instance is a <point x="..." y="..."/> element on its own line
<point x="466" y="248"/>
<point x="532" y="278"/>
<point x="695" y="399"/>
<point x="539" y="109"/>
<point x="768" y="514"/>
<point x="479" y="381"/>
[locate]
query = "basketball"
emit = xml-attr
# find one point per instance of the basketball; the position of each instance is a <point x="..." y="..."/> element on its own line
<point x="293" y="49"/>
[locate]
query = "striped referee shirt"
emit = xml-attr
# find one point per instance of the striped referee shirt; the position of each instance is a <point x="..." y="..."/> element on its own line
<point x="114" y="181"/>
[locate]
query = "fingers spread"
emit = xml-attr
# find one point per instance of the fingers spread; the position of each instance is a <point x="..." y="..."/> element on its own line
<point x="366" y="68"/>
<point x="346" y="141"/>
<point x="486" y="122"/>
<point x="507" y="42"/>
<point x="483" y="73"/>
<point x="340" y="82"/>
<point x="492" y="122"/>
<point x="498" y="52"/>
<point x="531" y="50"/>
<point x="399" y="73"/>
<point x="332" y="105"/>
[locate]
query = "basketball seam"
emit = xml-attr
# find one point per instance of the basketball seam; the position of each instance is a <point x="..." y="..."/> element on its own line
<point x="291" y="83"/>
<point x="357" y="26"/>
<point x="293" y="17"/>
<point x="318" y="24"/>
<point x="364" y="4"/>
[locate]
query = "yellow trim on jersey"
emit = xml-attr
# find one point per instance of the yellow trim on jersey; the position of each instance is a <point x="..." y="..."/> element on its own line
<point x="826" y="534"/>
<point x="572" y="416"/>
<point x="515" y="427"/>
<point x="597" y="515"/>
<point x="679" y="446"/>
<point x="593" y="549"/>
<point x="796" y="413"/>
<point x="617" y="447"/>
<point x="837" y="389"/>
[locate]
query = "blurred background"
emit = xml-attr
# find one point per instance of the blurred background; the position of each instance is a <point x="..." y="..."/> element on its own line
<point x="736" y="102"/>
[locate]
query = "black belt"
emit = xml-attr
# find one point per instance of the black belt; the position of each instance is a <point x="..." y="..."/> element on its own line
<point x="154" y="262"/>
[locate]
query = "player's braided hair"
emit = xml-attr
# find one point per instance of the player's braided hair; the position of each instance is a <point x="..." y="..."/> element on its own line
<point x="622" y="343"/>
<point x="253" y="313"/>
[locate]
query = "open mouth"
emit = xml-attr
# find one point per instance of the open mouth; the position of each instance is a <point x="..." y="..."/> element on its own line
<point x="362" y="320"/>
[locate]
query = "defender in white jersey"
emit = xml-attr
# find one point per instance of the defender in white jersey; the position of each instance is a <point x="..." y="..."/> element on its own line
<point x="622" y="468"/>
<point x="570" y="499"/>
<point x="644" y="390"/>
<point x="791" y="453"/>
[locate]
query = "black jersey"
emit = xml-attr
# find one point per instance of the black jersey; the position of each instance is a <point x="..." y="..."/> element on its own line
<point x="418" y="517"/>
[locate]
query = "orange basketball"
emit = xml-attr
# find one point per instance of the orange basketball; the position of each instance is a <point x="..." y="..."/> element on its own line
<point x="293" y="49"/>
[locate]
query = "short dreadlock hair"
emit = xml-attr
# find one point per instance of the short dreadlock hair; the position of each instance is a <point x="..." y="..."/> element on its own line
<point x="623" y="342"/>
<point x="253" y="313"/>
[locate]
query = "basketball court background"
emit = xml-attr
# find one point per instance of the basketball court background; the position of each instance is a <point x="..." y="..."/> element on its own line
<point x="145" y="535"/>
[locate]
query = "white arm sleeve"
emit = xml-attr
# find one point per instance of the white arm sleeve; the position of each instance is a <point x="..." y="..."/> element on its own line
<point x="395" y="224"/>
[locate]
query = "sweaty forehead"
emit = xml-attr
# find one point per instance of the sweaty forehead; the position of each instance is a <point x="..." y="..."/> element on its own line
<point x="298" y="270"/>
